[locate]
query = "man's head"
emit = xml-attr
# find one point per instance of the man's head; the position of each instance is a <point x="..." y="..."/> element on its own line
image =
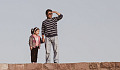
<point x="49" y="13"/>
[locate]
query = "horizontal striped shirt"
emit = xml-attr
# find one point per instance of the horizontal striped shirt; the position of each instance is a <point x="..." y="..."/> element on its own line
<point x="49" y="26"/>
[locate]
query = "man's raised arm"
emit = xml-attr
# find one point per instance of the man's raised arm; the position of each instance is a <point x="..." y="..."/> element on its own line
<point x="60" y="16"/>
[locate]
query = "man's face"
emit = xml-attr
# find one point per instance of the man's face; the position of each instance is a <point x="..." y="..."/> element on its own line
<point x="49" y="15"/>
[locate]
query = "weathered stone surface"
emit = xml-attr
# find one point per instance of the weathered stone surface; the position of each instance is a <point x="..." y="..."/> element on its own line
<point x="31" y="66"/>
<point x="117" y="65"/>
<point x="81" y="66"/>
<point x="63" y="66"/>
<point x="67" y="66"/>
<point x="16" y="67"/>
<point x="107" y="66"/>
<point x="3" y="66"/>
<point x="94" y="66"/>
<point x="50" y="66"/>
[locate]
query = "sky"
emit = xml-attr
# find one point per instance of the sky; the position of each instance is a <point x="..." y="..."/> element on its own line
<point x="88" y="32"/>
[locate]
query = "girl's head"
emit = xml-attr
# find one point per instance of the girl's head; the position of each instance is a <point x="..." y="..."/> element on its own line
<point x="36" y="30"/>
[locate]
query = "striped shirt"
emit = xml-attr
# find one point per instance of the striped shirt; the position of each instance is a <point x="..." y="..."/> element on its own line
<point x="49" y="26"/>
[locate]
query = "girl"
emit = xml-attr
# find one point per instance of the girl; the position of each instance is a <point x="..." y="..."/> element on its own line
<point x="34" y="43"/>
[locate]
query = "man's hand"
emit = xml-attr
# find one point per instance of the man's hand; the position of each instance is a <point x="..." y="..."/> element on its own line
<point x="43" y="39"/>
<point x="56" y="12"/>
<point x="31" y="48"/>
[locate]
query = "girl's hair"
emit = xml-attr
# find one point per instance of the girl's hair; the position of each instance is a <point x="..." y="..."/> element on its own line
<point x="34" y="30"/>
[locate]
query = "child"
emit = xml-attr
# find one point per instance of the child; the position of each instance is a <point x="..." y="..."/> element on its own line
<point x="34" y="43"/>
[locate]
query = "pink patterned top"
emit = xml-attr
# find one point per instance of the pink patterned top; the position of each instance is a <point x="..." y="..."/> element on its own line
<point x="37" y="40"/>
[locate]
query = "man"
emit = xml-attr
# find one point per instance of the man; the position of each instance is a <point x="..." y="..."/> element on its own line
<point x="49" y="29"/>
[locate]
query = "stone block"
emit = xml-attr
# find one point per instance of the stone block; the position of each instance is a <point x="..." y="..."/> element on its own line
<point x="16" y="67"/>
<point x="35" y="66"/>
<point x="81" y="66"/>
<point x="3" y="66"/>
<point x="94" y="66"/>
<point x="50" y="66"/>
<point x="107" y="66"/>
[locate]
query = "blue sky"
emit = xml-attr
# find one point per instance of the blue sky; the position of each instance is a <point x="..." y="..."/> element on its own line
<point x="88" y="32"/>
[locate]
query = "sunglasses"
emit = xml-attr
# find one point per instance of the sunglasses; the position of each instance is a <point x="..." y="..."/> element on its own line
<point x="50" y="13"/>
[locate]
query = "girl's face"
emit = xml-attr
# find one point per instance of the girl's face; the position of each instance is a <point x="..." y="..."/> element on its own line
<point x="37" y="32"/>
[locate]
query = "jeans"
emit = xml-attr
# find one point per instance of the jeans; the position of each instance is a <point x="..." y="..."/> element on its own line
<point x="54" y="42"/>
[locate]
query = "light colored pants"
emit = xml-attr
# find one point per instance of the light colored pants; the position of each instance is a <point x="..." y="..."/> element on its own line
<point x="54" y="42"/>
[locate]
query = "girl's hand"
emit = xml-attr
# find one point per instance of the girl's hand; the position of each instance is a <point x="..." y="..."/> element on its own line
<point x="31" y="48"/>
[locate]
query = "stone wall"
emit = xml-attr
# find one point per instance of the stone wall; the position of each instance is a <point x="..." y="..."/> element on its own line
<point x="63" y="66"/>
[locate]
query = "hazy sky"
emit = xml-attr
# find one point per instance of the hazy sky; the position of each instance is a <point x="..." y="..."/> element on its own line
<point x="88" y="32"/>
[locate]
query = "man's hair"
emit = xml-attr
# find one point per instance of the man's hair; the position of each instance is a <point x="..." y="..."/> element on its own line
<point x="48" y="10"/>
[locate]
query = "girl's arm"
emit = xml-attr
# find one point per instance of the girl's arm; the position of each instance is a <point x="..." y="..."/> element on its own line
<point x="30" y="42"/>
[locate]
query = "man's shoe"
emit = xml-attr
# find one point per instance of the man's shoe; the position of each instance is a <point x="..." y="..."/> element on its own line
<point x="55" y="62"/>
